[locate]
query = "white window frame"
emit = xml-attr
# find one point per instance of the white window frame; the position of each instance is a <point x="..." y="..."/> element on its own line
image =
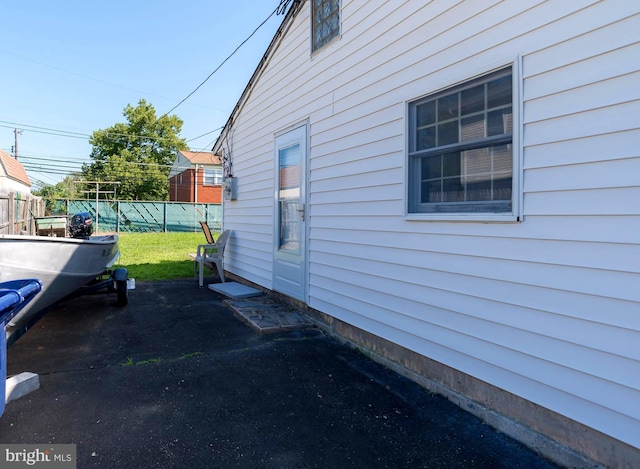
<point x="216" y="176"/>
<point x="515" y="215"/>
<point x="335" y="34"/>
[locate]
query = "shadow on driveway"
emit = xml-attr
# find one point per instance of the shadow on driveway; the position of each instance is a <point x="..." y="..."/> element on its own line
<point x="176" y="380"/>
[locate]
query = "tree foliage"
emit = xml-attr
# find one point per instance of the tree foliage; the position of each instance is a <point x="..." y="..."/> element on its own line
<point x="137" y="153"/>
<point x="66" y="189"/>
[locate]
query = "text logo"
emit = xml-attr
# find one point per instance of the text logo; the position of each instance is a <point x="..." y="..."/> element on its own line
<point x="38" y="456"/>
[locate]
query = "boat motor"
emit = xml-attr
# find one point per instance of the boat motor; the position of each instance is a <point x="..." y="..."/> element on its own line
<point x="81" y="225"/>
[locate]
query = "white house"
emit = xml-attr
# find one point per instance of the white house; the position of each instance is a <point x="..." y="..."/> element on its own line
<point x="455" y="185"/>
<point x="13" y="176"/>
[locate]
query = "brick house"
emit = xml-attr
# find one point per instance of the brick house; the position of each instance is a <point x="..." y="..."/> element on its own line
<point x="196" y="176"/>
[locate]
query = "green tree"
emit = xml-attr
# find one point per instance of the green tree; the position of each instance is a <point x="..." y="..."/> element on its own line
<point x="66" y="189"/>
<point x="138" y="153"/>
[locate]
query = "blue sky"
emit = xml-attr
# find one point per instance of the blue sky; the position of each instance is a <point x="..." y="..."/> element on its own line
<point x="70" y="67"/>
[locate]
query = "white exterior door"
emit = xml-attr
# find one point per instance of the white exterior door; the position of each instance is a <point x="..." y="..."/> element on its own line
<point x="290" y="253"/>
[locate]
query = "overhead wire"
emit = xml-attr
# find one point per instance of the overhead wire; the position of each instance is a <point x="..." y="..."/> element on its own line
<point x="73" y="167"/>
<point x="131" y="170"/>
<point x="53" y="169"/>
<point x="86" y="77"/>
<point x="66" y="133"/>
<point x="79" y="135"/>
<point x="44" y="130"/>
<point x="207" y="133"/>
<point x="280" y="9"/>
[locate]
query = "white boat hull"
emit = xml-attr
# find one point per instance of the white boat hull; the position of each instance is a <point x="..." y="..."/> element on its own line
<point x="63" y="265"/>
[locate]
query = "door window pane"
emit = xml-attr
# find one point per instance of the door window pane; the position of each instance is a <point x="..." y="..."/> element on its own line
<point x="289" y="198"/>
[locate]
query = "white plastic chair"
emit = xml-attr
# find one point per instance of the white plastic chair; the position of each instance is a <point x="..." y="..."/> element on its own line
<point x="211" y="253"/>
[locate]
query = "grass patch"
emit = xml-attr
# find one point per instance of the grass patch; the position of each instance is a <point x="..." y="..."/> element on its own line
<point x="130" y="362"/>
<point x="150" y="361"/>
<point x="159" y="256"/>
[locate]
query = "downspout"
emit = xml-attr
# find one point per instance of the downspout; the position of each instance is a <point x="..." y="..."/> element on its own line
<point x="195" y="186"/>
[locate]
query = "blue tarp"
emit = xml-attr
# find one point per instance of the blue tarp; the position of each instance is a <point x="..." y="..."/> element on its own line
<point x="14" y="295"/>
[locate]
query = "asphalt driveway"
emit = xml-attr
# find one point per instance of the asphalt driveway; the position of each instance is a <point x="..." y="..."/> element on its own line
<point x="174" y="379"/>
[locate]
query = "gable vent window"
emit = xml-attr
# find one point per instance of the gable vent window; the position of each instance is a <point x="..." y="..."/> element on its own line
<point x="325" y="21"/>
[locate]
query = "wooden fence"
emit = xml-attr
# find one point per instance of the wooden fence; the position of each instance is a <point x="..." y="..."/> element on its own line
<point x="18" y="211"/>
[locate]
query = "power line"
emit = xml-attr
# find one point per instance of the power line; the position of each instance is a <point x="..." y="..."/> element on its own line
<point x="66" y="133"/>
<point x="65" y="166"/>
<point x="87" y="77"/>
<point x="280" y="9"/>
<point x="38" y="167"/>
<point x="28" y="158"/>
<point x="136" y="173"/>
<point x="60" y="133"/>
<point x="13" y="124"/>
<point x="210" y="132"/>
<point x="48" y="156"/>
<point x="62" y="169"/>
<point x="81" y="75"/>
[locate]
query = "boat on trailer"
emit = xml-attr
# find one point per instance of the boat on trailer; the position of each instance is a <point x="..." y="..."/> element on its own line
<point x="63" y="265"/>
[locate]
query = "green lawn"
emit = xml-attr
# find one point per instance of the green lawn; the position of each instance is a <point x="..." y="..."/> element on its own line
<point x="159" y="256"/>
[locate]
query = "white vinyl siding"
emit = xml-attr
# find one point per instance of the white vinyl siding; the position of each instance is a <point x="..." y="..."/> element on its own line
<point x="546" y="308"/>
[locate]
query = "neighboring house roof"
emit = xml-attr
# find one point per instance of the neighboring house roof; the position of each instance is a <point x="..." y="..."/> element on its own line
<point x="13" y="169"/>
<point x="201" y="157"/>
<point x="188" y="159"/>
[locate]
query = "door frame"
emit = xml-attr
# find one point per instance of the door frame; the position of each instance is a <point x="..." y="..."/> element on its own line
<point x="278" y="142"/>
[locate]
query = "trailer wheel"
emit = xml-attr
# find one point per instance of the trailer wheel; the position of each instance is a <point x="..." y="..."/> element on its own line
<point x="121" y="292"/>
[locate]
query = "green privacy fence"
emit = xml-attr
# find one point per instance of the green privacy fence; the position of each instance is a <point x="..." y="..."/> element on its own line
<point x="142" y="217"/>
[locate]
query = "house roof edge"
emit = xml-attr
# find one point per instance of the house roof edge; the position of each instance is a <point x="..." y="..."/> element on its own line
<point x="290" y="15"/>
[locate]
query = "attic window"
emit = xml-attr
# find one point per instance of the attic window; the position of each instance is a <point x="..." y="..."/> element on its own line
<point x="325" y="19"/>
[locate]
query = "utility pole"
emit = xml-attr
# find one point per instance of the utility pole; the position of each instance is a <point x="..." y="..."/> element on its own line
<point x="15" y="146"/>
